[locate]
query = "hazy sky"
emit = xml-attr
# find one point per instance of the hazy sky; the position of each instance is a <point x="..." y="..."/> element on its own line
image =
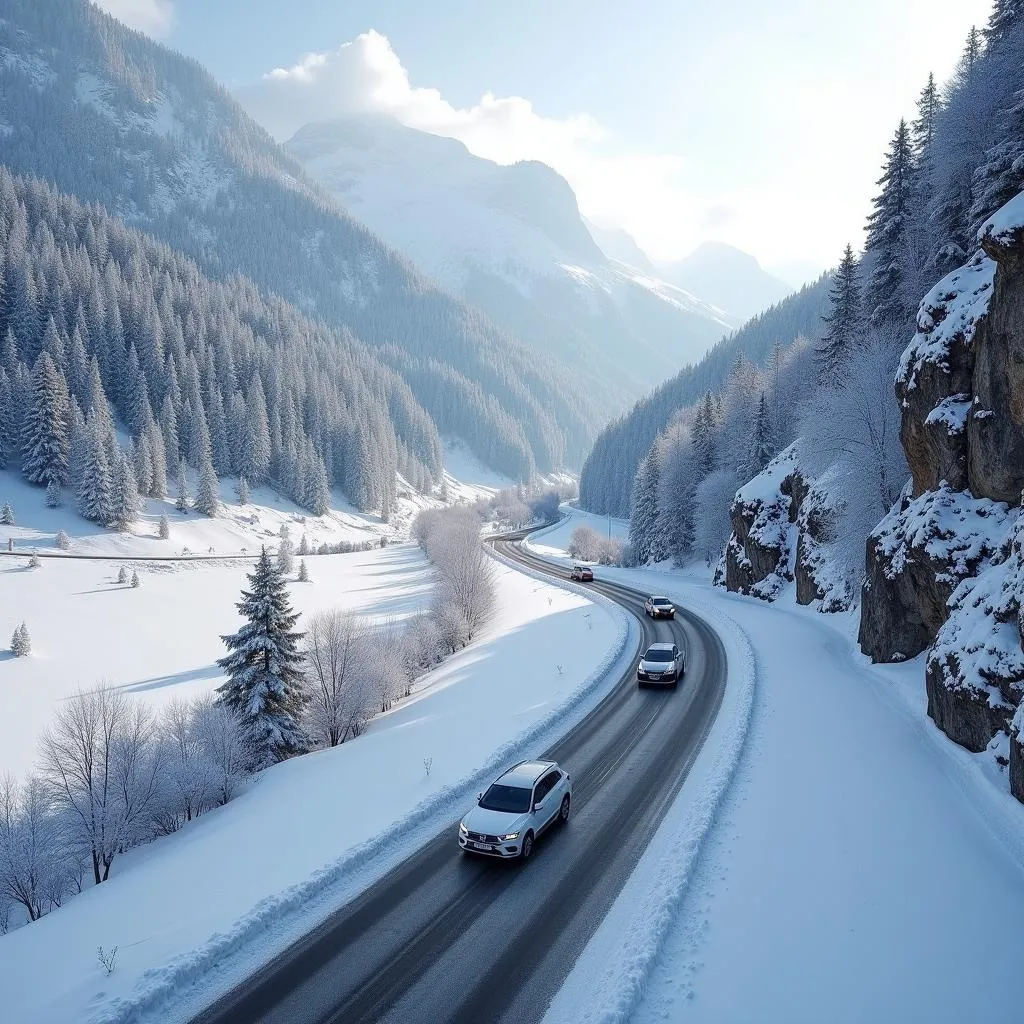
<point x="758" y="122"/>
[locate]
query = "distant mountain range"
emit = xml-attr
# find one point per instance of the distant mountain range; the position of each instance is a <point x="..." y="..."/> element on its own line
<point x="510" y="240"/>
<point x="728" y="278"/>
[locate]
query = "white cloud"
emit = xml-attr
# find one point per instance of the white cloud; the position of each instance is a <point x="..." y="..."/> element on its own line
<point x="635" y="190"/>
<point x="154" y="17"/>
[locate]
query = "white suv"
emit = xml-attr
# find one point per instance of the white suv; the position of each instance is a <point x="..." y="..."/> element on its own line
<point x="516" y="809"/>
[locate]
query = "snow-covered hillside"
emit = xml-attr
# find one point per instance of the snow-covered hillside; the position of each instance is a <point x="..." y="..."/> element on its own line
<point x="194" y="911"/>
<point x="511" y="240"/>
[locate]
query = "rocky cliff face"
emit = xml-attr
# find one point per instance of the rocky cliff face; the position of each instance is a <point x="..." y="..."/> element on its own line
<point x="781" y="522"/>
<point x="945" y="568"/>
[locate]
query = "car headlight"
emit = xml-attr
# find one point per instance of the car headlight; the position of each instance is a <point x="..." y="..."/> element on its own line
<point x="462" y="829"/>
<point x="511" y="835"/>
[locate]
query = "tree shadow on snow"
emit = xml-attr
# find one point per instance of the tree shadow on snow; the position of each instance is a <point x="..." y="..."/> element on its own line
<point x="190" y="675"/>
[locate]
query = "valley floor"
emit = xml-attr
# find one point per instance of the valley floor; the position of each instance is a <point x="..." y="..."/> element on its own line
<point x="859" y="866"/>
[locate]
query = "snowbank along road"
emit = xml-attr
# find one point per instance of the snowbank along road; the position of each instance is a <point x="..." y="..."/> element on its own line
<point x="445" y="937"/>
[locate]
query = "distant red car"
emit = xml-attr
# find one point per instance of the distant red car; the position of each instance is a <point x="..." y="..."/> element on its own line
<point x="583" y="573"/>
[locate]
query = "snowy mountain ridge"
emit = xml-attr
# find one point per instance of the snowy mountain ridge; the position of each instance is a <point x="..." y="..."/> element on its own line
<point x="509" y="239"/>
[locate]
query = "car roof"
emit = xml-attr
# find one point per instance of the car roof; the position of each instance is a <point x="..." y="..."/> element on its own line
<point x="658" y="597"/>
<point x="661" y="647"/>
<point x="526" y="773"/>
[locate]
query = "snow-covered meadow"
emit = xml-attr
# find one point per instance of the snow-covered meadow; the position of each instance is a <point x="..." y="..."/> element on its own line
<point x="848" y="866"/>
<point x="193" y="912"/>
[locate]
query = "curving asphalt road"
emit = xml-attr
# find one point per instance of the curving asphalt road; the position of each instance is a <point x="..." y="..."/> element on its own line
<point x="448" y="938"/>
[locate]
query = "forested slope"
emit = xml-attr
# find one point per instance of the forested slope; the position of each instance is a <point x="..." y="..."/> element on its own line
<point x="110" y="116"/>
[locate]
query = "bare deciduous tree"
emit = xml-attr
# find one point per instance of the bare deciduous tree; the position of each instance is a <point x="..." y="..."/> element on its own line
<point x="336" y="655"/>
<point x="103" y="768"/>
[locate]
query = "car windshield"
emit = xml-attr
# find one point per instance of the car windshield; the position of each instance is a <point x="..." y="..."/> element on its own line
<point x="513" y="799"/>
<point x="658" y="655"/>
<point x="662" y="601"/>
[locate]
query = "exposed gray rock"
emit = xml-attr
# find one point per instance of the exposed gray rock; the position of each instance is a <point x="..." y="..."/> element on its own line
<point x="916" y="557"/>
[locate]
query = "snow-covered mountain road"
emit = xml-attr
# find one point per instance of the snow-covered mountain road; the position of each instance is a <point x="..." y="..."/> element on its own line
<point x="445" y="938"/>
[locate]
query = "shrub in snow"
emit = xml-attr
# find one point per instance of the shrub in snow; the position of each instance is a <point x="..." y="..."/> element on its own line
<point x="164" y="529"/>
<point x="303" y="572"/>
<point x="107" y="959"/>
<point x="7" y="514"/>
<point x="135" y="579"/>
<point x="21" y="643"/>
<point x="122" y="574"/>
<point x="264" y="668"/>
<point x="428" y="763"/>
<point x="63" y="541"/>
<point x="53" y="499"/>
<point x="585" y="544"/>
<point x="34" y="562"/>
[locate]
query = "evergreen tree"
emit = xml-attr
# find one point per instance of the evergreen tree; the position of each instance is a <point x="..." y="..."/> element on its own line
<point x="122" y="574"/>
<point x="703" y="438"/>
<point x="285" y="551"/>
<point x="242" y="491"/>
<point x="923" y="128"/>
<point x="95" y="484"/>
<point x="303" y="572"/>
<point x="7" y="515"/>
<point x="9" y="447"/>
<point x="158" y="461"/>
<point x="643" y="519"/>
<point x="184" y="501"/>
<point x="761" y="443"/>
<point x="887" y="241"/>
<point x="844" y="326"/>
<point x="53" y="499"/>
<point x="164" y="529"/>
<point x="169" y="429"/>
<point x="264" y="668"/>
<point x="142" y="463"/>
<point x="126" y="503"/>
<point x="45" y="441"/>
<point x="21" y="642"/>
<point x="1001" y="176"/>
<point x="208" y="491"/>
<point x="135" y="578"/>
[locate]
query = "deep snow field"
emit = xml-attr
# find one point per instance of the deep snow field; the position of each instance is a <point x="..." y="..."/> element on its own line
<point x="858" y="867"/>
<point x="194" y="912"/>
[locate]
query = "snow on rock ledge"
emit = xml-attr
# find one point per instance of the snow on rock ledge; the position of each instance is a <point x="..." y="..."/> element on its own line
<point x="759" y="553"/>
<point x="916" y="557"/>
<point x="934" y="382"/>
<point x="781" y="522"/>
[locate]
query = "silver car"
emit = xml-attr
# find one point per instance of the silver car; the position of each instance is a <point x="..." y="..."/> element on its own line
<point x="663" y="663"/>
<point x="516" y="809"/>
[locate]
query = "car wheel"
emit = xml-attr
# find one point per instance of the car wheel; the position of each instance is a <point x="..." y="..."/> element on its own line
<point x="527" y="848"/>
<point x="563" y="813"/>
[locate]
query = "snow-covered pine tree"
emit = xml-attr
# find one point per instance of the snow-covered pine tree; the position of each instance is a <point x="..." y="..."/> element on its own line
<point x="887" y="240"/>
<point x="135" y="579"/>
<point x="844" y="324"/>
<point x="141" y="463"/>
<point x="53" y="498"/>
<point x="95" y="484"/>
<point x="126" y="502"/>
<point x="704" y="439"/>
<point x="303" y="576"/>
<point x="169" y="430"/>
<point x="122" y="574"/>
<point x="242" y="491"/>
<point x="303" y="546"/>
<point x="7" y="514"/>
<point x="264" y="668"/>
<point x="164" y="528"/>
<point x="34" y="562"/>
<point x="643" y="519"/>
<point x="9" y="447"/>
<point x="285" y="552"/>
<point x="1001" y="176"/>
<point x="44" y="438"/>
<point x="208" y="490"/>
<point x="158" y="461"/>
<point x="63" y="541"/>
<point x="21" y="642"/>
<point x="184" y="500"/>
<point x="762" y="449"/>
